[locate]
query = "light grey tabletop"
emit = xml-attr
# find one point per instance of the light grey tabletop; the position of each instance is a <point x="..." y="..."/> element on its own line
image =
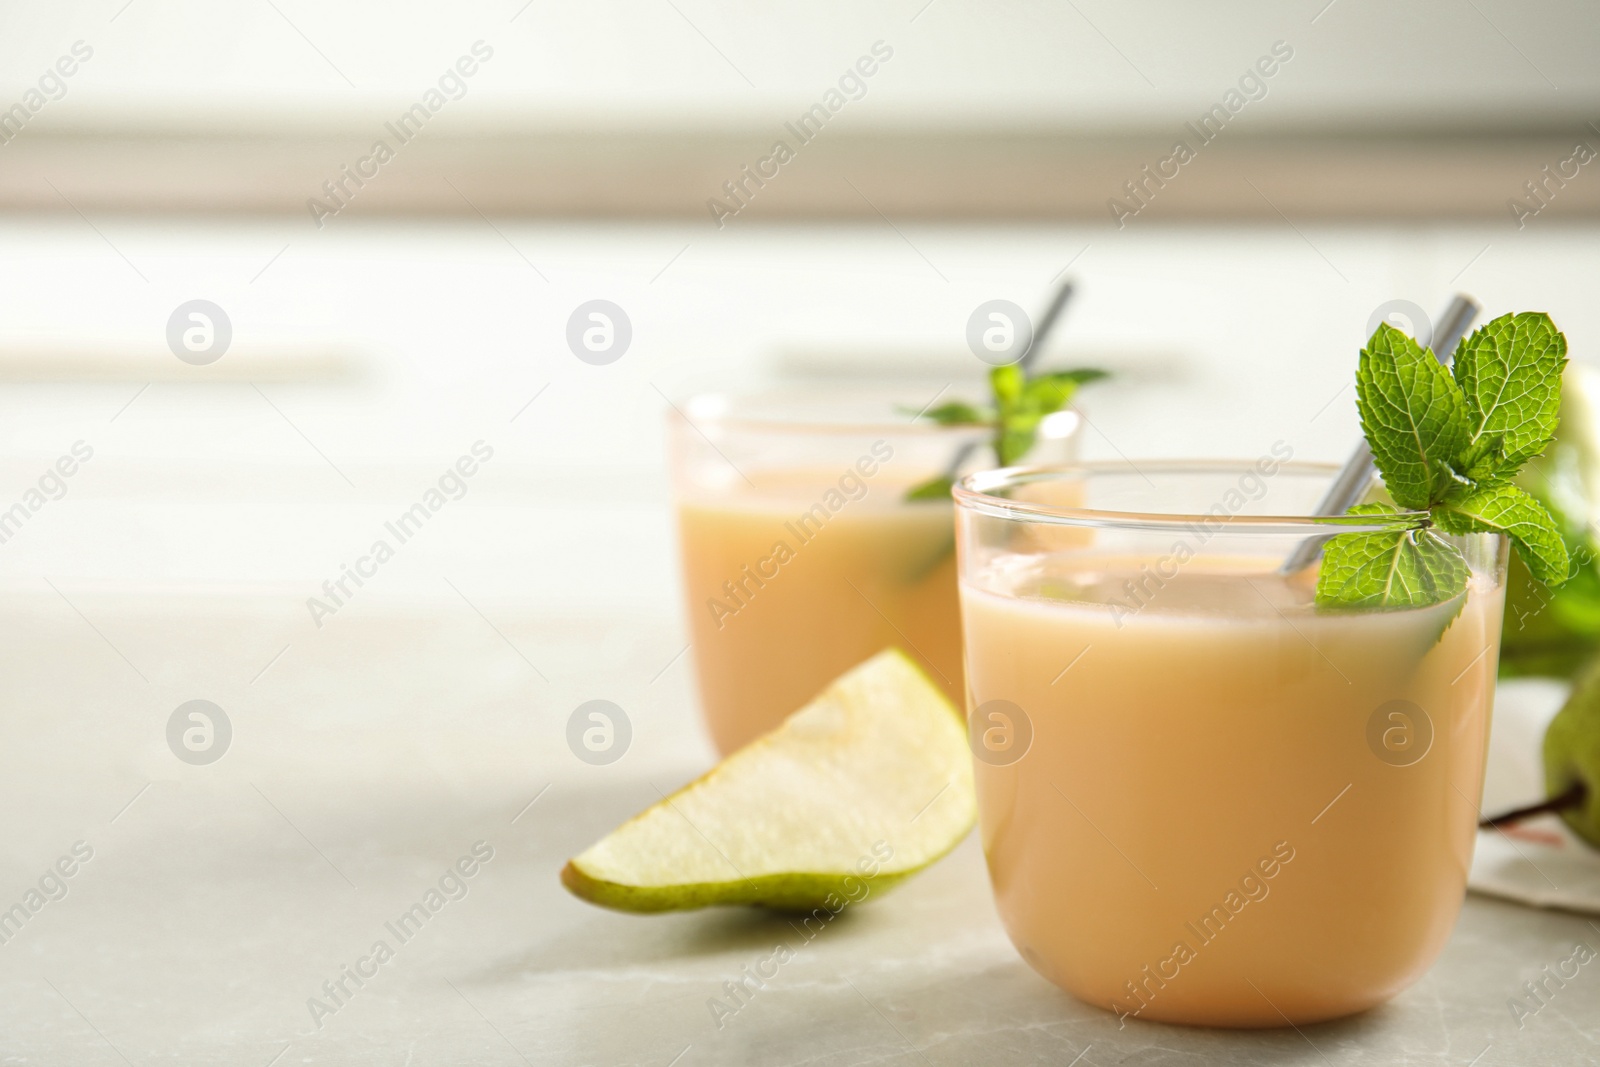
<point x="371" y="756"/>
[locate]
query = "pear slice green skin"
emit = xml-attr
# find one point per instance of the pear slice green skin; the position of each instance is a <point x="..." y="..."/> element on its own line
<point x="863" y="787"/>
<point x="783" y="892"/>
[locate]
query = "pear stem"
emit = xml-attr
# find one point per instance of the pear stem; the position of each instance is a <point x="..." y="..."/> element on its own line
<point x="1572" y="798"/>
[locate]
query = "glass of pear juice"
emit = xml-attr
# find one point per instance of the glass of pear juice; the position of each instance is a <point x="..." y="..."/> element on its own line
<point x="1203" y="799"/>
<point x="802" y="556"/>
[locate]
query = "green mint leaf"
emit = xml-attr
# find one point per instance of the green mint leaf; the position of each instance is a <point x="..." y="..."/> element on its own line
<point x="1510" y="373"/>
<point x="1053" y="391"/>
<point x="936" y="488"/>
<point x="1015" y="440"/>
<point x="1019" y="421"/>
<point x="955" y="413"/>
<point x="1007" y="383"/>
<point x="1023" y="402"/>
<point x="958" y="413"/>
<point x="1390" y="569"/>
<point x="1066" y="381"/>
<point x="1414" y="415"/>
<point x="1504" y="508"/>
<point x="1017" y="424"/>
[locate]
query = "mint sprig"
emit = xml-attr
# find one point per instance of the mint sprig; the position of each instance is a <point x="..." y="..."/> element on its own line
<point x="1448" y="444"/>
<point x="1019" y="403"/>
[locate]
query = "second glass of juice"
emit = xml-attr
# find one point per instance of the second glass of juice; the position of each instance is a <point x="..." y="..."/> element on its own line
<point x="1204" y="798"/>
<point x="802" y="555"/>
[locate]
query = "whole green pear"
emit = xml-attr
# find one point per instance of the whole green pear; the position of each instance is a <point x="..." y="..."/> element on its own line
<point x="1572" y="755"/>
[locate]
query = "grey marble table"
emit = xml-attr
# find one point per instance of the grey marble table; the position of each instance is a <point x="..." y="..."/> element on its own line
<point x="226" y="906"/>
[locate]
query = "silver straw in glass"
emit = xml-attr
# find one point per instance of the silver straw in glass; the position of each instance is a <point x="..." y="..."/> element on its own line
<point x="1356" y="474"/>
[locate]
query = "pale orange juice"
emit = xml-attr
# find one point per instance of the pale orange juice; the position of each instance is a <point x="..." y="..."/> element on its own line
<point x="802" y="555"/>
<point x="782" y="593"/>
<point x="1204" y="799"/>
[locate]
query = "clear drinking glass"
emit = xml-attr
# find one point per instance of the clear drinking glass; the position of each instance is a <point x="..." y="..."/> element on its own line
<point x="1203" y="799"/>
<point x="802" y="555"/>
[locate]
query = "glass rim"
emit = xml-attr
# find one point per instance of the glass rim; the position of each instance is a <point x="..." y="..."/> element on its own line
<point x="977" y="492"/>
<point x="729" y="409"/>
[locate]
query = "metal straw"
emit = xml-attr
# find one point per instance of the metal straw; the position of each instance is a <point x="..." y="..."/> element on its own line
<point x="1047" y="322"/>
<point x="1356" y="474"/>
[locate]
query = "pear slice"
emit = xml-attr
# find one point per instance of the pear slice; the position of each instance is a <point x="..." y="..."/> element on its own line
<point x="861" y="788"/>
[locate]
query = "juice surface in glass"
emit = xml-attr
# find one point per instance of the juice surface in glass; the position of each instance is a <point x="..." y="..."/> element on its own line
<point x="802" y="556"/>
<point x="1203" y="799"/>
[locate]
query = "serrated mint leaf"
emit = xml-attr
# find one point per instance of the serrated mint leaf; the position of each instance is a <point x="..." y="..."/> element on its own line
<point x="1510" y="374"/>
<point x="1414" y="416"/>
<point x="1504" y="508"/>
<point x="1391" y="568"/>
